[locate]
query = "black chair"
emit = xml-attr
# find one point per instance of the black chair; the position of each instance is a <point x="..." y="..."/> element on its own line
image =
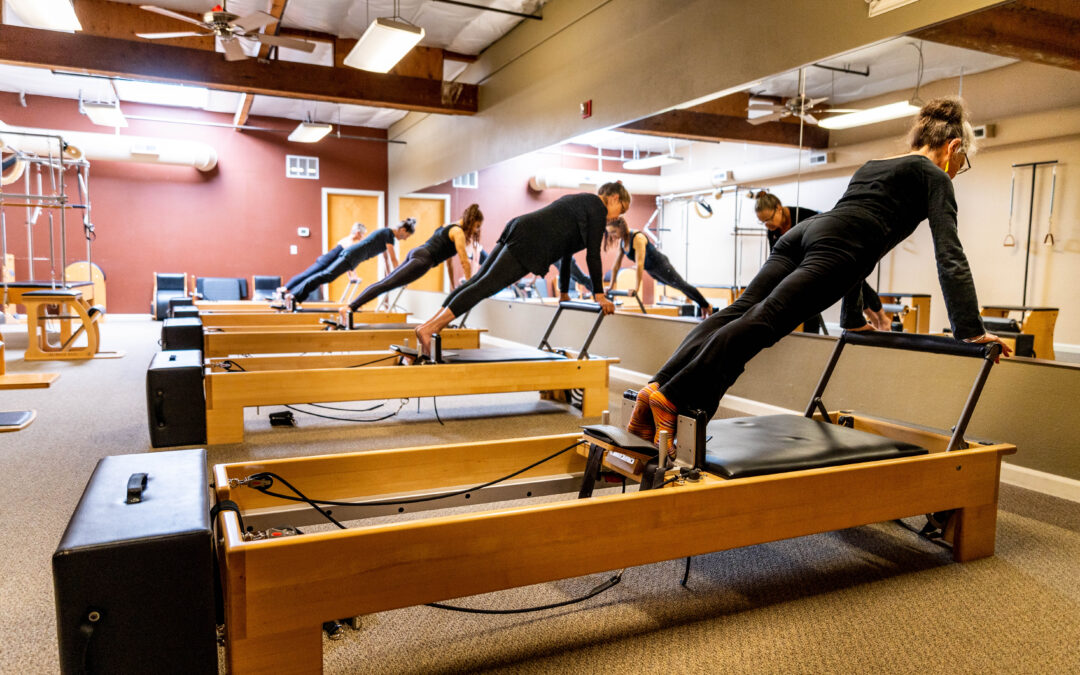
<point x="263" y="287"/>
<point x="220" y="288"/>
<point x="167" y="286"/>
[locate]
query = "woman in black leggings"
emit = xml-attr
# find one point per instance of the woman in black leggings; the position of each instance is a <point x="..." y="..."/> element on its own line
<point x="532" y="243"/>
<point x="778" y="219"/>
<point x="819" y="260"/>
<point x="636" y="246"/>
<point x="442" y="245"/>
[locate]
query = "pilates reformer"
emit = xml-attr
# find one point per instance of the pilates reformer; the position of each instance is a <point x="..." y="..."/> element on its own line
<point x="918" y="309"/>
<point x="730" y="483"/>
<point x="16" y="420"/>
<point x="281" y="380"/>
<point x="281" y="319"/>
<point x="1035" y="321"/>
<point x="351" y="290"/>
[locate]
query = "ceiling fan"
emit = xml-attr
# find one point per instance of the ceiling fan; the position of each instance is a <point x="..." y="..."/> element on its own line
<point x="230" y="29"/>
<point x="799" y="106"/>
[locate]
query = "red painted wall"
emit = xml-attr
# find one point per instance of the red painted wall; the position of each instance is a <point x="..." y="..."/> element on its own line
<point x="504" y="194"/>
<point x="236" y="220"/>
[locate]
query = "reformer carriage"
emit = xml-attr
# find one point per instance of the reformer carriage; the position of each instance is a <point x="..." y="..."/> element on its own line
<point x="734" y="483"/>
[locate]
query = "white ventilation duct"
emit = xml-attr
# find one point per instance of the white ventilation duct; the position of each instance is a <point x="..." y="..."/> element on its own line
<point x="113" y="148"/>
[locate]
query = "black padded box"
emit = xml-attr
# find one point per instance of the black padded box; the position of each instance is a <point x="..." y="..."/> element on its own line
<point x="134" y="582"/>
<point x="175" y="399"/>
<point x="182" y="333"/>
<point x="184" y="312"/>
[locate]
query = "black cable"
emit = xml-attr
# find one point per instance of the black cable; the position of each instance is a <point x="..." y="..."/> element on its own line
<point x="330" y="407"/>
<point x="597" y="590"/>
<point x="686" y="572"/>
<point x="361" y="365"/>
<point x="436" y="406"/>
<point x="326" y="502"/>
<point x="344" y="419"/>
<point x="923" y="535"/>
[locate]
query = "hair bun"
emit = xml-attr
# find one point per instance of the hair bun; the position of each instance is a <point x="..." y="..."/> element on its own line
<point x="948" y="109"/>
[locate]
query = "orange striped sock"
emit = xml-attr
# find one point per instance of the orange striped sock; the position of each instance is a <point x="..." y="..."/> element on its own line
<point x="665" y="415"/>
<point x="641" y="420"/>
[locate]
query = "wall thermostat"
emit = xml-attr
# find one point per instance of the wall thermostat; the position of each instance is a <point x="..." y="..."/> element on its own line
<point x="303" y="231"/>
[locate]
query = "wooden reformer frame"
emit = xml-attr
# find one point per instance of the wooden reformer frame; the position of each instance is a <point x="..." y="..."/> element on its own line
<point x="279" y="591"/>
<point x="292" y="319"/>
<point x="226" y="343"/>
<point x="280" y="380"/>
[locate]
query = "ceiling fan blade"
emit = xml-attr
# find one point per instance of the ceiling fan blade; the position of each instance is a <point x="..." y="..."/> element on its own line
<point x="175" y="15"/>
<point x="233" y="50"/>
<point x="164" y="36"/>
<point x="808" y="118"/>
<point x="814" y="101"/>
<point x="766" y="106"/>
<point x="768" y="118"/>
<point x="840" y="110"/>
<point x="281" y="41"/>
<point x="252" y="22"/>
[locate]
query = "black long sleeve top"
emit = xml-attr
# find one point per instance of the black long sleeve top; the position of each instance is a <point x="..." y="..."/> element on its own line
<point x="556" y="232"/>
<point x="886" y="200"/>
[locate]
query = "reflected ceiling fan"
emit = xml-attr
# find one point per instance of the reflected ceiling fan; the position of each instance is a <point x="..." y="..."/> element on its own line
<point x="230" y="29"/>
<point x="797" y="106"/>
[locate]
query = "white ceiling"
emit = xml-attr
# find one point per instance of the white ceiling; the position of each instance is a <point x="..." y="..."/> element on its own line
<point x="451" y="27"/>
<point x="893" y="67"/>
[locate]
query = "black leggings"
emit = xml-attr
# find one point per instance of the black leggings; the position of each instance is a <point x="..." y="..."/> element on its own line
<point x="809" y="269"/>
<point x="334" y="270"/>
<point x="416" y="265"/>
<point x="662" y="271"/>
<point x="319" y="265"/>
<point x="499" y="271"/>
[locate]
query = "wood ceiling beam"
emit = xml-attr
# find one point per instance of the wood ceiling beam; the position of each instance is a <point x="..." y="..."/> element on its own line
<point x="1039" y="31"/>
<point x="703" y="126"/>
<point x="166" y="63"/>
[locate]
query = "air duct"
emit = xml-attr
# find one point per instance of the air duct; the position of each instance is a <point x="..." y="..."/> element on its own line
<point x="112" y="148"/>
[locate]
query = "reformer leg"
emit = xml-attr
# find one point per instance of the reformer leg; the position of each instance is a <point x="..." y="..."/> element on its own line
<point x="224" y="425"/>
<point x="298" y="651"/>
<point x="975" y="532"/>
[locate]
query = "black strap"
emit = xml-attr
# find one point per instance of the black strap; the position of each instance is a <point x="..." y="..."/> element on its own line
<point x="227" y="505"/>
<point x="136" y="485"/>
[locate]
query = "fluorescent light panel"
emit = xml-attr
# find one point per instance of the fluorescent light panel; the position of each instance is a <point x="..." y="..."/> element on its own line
<point x="157" y="93"/>
<point x="651" y="162"/>
<point x="48" y="14"/>
<point x="309" y="132"/>
<point x="383" y="44"/>
<point x="881" y="113"/>
<point x="105" y="114"/>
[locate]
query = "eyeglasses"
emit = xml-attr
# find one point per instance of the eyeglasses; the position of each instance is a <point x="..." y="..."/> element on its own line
<point x="765" y="221"/>
<point x="966" y="167"/>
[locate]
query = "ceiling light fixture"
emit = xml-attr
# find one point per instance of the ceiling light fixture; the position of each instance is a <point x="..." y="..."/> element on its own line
<point x="385" y="42"/>
<point x="651" y="162"/>
<point x="48" y="14"/>
<point x="873" y="115"/>
<point x="310" y="132"/>
<point x="105" y="114"/>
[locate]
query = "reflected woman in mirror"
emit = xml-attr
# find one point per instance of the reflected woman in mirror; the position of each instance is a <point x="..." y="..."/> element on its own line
<point x="637" y="246"/>
<point x="820" y="259"/>
<point x="778" y="219"/>
<point x="532" y="243"/>
<point x="443" y="244"/>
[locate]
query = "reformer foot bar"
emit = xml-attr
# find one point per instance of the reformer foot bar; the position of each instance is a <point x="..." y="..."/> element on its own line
<point x="838" y="470"/>
<point x="282" y="380"/>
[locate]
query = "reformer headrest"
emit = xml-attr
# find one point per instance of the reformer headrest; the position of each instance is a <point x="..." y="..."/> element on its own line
<point x="920" y="343"/>
<point x="620" y="438"/>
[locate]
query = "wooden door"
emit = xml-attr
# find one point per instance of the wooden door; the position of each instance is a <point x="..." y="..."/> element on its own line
<point x="430" y="215"/>
<point x="342" y="210"/>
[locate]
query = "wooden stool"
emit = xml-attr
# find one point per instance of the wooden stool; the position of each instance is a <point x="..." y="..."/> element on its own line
<point x="70" y="307"/>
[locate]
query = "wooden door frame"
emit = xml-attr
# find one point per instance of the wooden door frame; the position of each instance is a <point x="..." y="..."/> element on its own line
<point x="446" y="219"/>
<point x="327" y="191"/>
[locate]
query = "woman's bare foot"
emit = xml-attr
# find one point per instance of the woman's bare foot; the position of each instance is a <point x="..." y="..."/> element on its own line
<point x="423" y="338"/>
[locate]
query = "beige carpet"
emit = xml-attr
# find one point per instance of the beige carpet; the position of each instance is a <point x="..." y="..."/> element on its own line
<point x="868" y="599"/>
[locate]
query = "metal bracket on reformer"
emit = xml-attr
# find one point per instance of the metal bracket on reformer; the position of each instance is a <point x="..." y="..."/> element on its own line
<point x="933" y="344"/>
<point x="577" y="306"/>
<point x="352" y="288"/>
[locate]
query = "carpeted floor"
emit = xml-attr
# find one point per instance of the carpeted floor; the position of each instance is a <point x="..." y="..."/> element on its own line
<point x="868" y="599"/>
